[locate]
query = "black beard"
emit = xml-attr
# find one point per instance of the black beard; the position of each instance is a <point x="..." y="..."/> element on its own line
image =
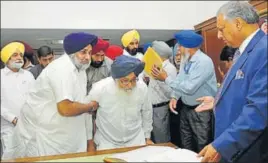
<point x="96" y="64"/>
<point x="132" y="52"/>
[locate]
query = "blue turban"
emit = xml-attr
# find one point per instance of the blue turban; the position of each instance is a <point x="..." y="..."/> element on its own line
<point x="124" y="65"/>
<point x="146" y="46"/>
<point x="75" y="42"/>
<point x="188" y="39"/>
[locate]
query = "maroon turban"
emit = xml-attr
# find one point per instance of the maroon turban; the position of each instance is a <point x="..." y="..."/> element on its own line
<point x="101" y="45"/>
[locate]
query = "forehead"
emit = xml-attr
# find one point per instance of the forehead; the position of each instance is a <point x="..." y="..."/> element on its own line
<point x="48" y="56"/>
<point x="134" y="41"/>
<point x="16" y="51"/>
<point x="89" y="47"/>
<point x="129" y="76"/>
<point x="220" y="20"/>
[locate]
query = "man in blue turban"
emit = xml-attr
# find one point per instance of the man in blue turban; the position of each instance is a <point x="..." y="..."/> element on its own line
<point x="52" y="120"/>
<point x="196" y="79"/>
<point x="124" y="116"/>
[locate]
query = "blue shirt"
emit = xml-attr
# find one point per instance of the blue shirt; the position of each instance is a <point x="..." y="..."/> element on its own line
<point x="196" y="79"/>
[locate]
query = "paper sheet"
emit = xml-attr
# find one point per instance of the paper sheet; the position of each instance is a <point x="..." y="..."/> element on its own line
<point x="141" y="154"/>
<point x="158" y="154"/>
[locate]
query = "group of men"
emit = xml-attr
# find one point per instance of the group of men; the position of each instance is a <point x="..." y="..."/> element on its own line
<point x="95" y="97"/>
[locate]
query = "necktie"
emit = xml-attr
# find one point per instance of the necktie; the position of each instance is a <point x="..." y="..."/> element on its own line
<point x="236" y="56"/>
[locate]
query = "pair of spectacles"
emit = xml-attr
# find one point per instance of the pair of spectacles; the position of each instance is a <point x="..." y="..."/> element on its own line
<point x="126" y="81"/>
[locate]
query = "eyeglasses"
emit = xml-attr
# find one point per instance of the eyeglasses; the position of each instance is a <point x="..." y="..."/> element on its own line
<point x="126" y="81"/>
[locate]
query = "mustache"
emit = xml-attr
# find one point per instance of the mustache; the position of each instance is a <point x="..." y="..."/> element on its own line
<point x="19" y="61"/>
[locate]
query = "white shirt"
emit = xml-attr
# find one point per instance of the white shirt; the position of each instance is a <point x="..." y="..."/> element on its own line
<point x="138" y="55"/>
<point x="14" y="87"/>
<point x="42" y="130"/>
<point x="159" y="91"/>
<point x="121" y="117"/>
<point x="246" y="41"/>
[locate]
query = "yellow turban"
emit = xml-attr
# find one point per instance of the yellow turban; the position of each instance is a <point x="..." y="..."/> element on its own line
<point x="130" y="36"/>
<point x="10" y="49"/>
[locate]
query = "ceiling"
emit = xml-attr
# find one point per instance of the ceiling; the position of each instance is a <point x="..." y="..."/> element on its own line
<point x="37" y="37"/>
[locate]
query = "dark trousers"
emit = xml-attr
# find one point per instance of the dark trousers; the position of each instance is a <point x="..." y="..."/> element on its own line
<point x="189" y="129"/>
<point x="175" y="126"/>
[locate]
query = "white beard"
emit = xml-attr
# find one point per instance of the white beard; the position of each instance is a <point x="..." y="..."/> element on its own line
<point x="16" y="65"/>
<point x="80" y="66"/>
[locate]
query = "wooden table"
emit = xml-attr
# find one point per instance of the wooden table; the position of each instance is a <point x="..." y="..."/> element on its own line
<point x="83" y="154"/>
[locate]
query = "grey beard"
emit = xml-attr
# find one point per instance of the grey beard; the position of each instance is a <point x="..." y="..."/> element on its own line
<point x="77" y="64"/>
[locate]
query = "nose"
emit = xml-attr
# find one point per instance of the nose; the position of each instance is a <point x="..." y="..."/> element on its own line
<point x="136" y="45"/>
<point x="219" y="35"/>
<point x="88" y="56"/>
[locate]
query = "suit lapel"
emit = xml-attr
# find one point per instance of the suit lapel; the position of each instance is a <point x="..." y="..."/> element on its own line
<point x="240" y="62"/>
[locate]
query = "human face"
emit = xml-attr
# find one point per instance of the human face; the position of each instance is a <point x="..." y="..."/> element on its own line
<point x="97" y="59"/>
<point x="16" y="60"/>
<point x="82" y="58"/>
<point x="44" y="61"/>
<point x="84" y="55"/>
<point x="128" y="82"/>
<point x="132" y="48"/>
<point x="230" y="31"/>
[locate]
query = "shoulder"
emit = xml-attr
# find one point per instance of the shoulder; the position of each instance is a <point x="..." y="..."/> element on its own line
<point x="28" y="74"/>
<point x="141" y="86"/>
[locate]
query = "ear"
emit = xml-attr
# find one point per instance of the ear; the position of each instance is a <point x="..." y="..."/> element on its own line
<point x="239" y="23"/>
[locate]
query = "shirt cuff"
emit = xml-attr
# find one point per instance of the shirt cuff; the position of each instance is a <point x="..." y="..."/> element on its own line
<point x="10" y="117"/>
<point x="147" y="135"/>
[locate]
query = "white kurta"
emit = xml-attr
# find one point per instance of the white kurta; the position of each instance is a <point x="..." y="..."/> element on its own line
<point x="14" y="87"/>
<point x="138" y="55"/>
<point x="41" y="130"/>
<point x="123" y="119"/>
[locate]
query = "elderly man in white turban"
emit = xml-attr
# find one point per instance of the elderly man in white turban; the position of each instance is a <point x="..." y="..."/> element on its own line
<point x="52" y="121"/>
<point x="124" y="116"/>
<point x="15" y="83"/>
<point x="130" y="41"/>
<point x="160" y="94"/>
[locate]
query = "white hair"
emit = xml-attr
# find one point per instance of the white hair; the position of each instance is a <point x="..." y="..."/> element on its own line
<point x="239" y="9"/>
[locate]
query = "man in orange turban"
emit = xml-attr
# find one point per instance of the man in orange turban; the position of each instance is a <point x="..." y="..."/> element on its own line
<point x="130" y="40"/>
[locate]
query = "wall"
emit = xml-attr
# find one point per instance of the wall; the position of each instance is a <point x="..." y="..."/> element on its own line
<point x="212" y="45"/>
<point x="106" y="14"/>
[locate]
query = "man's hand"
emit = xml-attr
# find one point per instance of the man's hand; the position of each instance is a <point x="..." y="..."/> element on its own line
<point x="207" y="103"/>
<point x="15" y="120"/>
<point x="159" y="74"/>
<point x="93" y="106"/>
<point x="209" y="154"/>
<point x="91" y="146"/>
<point x="149" y="141"/>
<point x="172" y="106"/>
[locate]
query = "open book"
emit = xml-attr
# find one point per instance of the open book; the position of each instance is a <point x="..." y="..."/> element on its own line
<point x="155" y="154"/>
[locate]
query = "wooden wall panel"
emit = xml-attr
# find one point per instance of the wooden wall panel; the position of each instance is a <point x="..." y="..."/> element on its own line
<point x="212" y="46"/>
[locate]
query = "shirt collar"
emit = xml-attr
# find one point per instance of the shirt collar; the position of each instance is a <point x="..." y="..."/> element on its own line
<point x="247" y="41"/>
<point x="8" y="71"/>
<point x="195" y="56"/>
